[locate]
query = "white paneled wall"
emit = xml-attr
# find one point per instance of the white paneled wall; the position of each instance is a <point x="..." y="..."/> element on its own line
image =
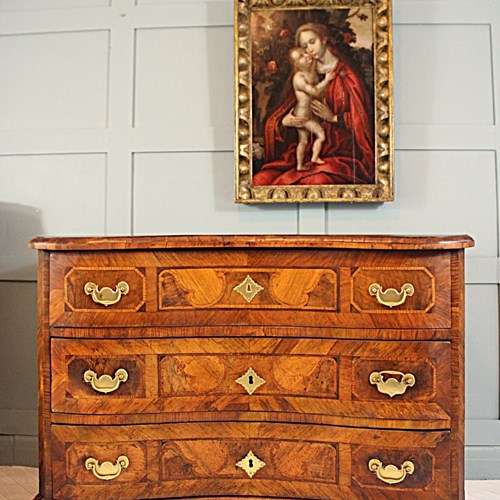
<point x="169" y="87"/>
<point x="443" y="74"/>
<point x="51" y="194"/>
<point x="192" y="192"/>
<point x="54" y="80"/>
<point x="117" y="118"/>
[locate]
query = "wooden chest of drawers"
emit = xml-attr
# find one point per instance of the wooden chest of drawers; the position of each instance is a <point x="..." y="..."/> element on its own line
<point x="314" y="367"/>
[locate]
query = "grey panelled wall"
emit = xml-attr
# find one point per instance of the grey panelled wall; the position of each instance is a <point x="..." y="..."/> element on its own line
<point x="117" y="119"/>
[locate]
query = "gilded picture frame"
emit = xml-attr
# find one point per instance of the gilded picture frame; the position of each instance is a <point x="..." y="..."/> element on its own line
<point x="313" y="101"/>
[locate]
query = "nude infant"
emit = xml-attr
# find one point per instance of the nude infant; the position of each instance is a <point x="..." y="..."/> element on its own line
<point x="306" y="86"/>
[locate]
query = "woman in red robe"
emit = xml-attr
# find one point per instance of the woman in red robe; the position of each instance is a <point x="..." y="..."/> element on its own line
<point x="345" y="111"/>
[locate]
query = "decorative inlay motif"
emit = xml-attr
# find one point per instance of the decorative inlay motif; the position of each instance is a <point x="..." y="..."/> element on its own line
<point x="251" y="464"/>
<point x="284" y="288"/>
<point x="250" y="381"/>
<point x="294" y="286"/>
<point x="367" y="294"/>
<point x="198" y="287"/>
<point x="248" y="289"/>
<point x="127" y="281"/>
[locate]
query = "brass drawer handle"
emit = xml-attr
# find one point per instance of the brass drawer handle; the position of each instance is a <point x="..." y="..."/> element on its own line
<point x="250" y="381"/>
<point x="391" y="297"/>
<point x="250" y="464"/>
<point x="106" y="296"/>
<point x="105" y="383"/>
<point x="107" y="470"/>
<point x="390" y="473"/>
<point x="392" y="386"/>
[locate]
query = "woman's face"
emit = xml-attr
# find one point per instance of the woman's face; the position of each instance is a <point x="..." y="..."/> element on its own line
<point x="312" y="43"/>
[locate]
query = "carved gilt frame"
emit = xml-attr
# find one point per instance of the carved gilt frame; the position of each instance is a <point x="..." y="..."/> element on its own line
<point x="380" y="187"/>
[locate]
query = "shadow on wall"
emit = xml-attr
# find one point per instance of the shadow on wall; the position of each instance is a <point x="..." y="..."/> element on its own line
<point x="18" y="334"/>
<point x="18" y="225"/>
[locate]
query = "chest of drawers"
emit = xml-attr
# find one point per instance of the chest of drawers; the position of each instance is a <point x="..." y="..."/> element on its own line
<point x="313" y="367"/>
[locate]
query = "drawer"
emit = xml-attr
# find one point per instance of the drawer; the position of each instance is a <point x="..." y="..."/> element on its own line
<point x="363" y="289"/>
<point x="241" y="458"/>
<point x="360" y="383"/>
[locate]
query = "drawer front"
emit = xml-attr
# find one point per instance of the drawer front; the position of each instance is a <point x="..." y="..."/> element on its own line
<point x="307" y="461"/>
<point x="362" y="289"/>
<point x="362" y="383"/>
<point x="248" y="288"/>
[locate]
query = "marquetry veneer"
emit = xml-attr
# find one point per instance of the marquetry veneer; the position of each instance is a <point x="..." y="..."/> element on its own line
<point x="311" y="367"/>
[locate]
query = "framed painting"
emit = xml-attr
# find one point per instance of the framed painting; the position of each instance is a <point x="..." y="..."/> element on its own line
<point x="313" y="101"/>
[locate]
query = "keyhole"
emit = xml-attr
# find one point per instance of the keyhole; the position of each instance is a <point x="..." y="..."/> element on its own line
<point x="250" y="463"/>
<point x="249" y="288"/>
<point x="250" y="379"/>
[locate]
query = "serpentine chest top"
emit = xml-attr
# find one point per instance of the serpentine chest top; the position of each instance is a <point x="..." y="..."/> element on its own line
<point x="318" y="367"/>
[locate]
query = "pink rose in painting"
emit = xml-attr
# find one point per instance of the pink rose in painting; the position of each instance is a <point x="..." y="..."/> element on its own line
<point x="347" y="37"/>
<point x="284" y="33"/>
<point x="272" y="66"/>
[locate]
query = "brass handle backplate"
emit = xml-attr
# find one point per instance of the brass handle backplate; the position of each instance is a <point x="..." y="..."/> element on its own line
<point x="105" y="383"/>
<point x="106" y="296"/>
<point x="390" y="474"/>
<point x="392" y="386"/>
<point x="107" y="470"/>
<point x="391" y="297"/>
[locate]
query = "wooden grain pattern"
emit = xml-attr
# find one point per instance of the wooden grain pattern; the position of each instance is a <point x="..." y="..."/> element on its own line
<point x="458" y="376"/>
<point x="301" y="376"/>
<point x="301" y="461"/>
<point x="368" y="242"/>
<point x="285" y="460"/>
<point x="44" y="370"/>
<point x="75" y="299"/>
<point x="281" y="288"/>
<point x="184" y="293"/>
<point x="252" y="331"/>
<point x="314" y="335"/>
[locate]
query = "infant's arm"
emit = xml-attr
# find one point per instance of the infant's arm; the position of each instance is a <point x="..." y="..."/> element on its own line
<point x="300" y="83"/>
<point x="320" y="87"/>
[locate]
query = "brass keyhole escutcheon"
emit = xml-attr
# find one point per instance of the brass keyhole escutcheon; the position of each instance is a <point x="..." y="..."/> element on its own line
<point x="250" y="381"/>
<point x="251" y="464"/>
<point x="248" y="288"/>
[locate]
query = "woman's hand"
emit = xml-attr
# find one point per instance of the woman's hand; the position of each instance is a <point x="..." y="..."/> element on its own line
<point x="323" y="111"/>
<point x="290" y="120"/>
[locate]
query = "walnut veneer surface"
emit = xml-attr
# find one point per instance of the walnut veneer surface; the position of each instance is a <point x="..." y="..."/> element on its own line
<point x="314" y="367"/>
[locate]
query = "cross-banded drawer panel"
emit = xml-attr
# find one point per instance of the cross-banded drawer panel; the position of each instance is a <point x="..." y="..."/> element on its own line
<point x="374" y="383"/>
<point x="245" y="458"/>
<point x="323" y="288"/>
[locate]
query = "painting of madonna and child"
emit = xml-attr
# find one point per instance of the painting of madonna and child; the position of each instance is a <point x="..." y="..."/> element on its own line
<point x="313" y="97"/>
